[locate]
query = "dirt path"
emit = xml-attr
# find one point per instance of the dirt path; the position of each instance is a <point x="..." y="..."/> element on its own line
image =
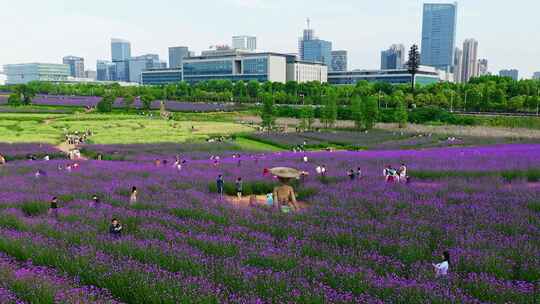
<point x="260" y="200"/>
<point x="65" y="147"/>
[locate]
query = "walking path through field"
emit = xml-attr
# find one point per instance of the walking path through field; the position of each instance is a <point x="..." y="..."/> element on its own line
<point x="260" y="200"/>
<point x="65" y="147"/>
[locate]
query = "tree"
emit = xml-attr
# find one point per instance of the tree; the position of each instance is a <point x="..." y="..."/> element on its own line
<point x="356" y="112"/>
<point x="307" y="116"/>
<point x="105" y="104"/>
<point x="26" y="93"/>
<point x="413" y="64"/>
<point x="329" y="110"/>
<point x="146" y="100"/>
<point x="253" y="88"/>
<point x="369" y="111"/>
<point x="128" y="101"/>
<point x="14" y="100"/>
<point x="268" y="112"/>
<point x="401" y="114"/>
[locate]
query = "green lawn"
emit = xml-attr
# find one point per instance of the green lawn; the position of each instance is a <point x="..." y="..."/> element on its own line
<point x="109" y="128"/>
<point x="253" y="145"/>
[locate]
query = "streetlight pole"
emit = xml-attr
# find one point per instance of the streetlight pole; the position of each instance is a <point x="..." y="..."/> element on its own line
<point x="465" y="104"/>
<point x="451" y="101"/>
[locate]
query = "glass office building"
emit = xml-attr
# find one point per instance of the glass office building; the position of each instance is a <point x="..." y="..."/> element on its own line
<point x="120" y="49"/>
<point x="76" y="65"/>
<point x="317" y="51"/>
<point x="176" y="55"/>
<point x="339" y="61"/>
<point x="250" y="66"/>
<point x="439" y="35"/>
<point x="27" y="72"/>
<point x="425" y="76"/>
<point x="393" y="58"/>
<point x="161" y="76"/>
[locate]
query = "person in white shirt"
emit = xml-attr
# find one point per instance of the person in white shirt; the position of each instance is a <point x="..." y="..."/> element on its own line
<point x="318" y="170"/>
<point x="441" y="269"/>
<point x="402" y="173"/>
<point x="305" y="158"/>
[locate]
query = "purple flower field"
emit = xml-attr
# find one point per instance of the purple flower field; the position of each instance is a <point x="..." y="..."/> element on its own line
<point x="91" y="101"/>
<point x="358" y="241"/>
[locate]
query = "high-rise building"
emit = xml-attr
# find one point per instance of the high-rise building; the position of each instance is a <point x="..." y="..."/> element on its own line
<point x="457" y="69"/>
<point x="536" y="75"/>
<point x="393" y="58"/>
<point x="176" y="55"/>
<point x="142" y="63"/>
<point x="244" y="42"/>
<point x="339" y="61"/>
<point x="105" y="70"/>
<point x="512" y="73"/>
<point x="27" y="72"/>
<point x="76" y="65"/>
<point x="483" y="67"/>
<point x="120" y="49"/>
<point x="318" y="50"/>
<point x="313" y="49"/>
<point x="439" y="35"/>
<point x="470" y="60"/>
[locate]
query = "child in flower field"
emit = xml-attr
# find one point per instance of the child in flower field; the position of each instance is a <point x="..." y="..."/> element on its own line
<point x="116" y="228"/>
<point x="239" y="187"/>
<point x="441" y="269"/>
<point x="53" y="208"/>
<point x="133" y="197"/>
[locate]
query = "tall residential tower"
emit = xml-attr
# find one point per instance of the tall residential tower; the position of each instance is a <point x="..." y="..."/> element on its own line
<point x="470" y="60"/>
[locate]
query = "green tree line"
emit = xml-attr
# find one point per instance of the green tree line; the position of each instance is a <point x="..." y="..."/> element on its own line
<point x="483" y="94"/>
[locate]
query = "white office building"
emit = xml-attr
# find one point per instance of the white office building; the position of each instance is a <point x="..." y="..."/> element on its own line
<point x="302" y="71"/>
<point x="27" y="72"/>
<point x="244" y="42"/>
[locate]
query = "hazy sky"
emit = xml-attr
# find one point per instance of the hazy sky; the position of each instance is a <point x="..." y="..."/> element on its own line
<point x="45" y="30"/>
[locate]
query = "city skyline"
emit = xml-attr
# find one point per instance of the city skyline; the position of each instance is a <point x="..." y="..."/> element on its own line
<point x="85" y="29"/>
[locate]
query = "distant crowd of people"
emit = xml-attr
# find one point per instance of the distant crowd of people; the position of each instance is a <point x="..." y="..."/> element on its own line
<point x="77" y="138"/>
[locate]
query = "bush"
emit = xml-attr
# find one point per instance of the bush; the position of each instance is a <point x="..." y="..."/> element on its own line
<point x="429" y="114"/>
<point x="104" y="106"/>
<point x="34" y="208"/>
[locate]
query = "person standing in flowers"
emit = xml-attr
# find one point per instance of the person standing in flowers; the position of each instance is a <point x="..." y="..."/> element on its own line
<point x="351" y="174"/>
<point x="96" y="201"/>
<point x="283" y="195"/>
<point x="53" y="207"/>
<point x="239" y="188"/>
<point x="2" y="160"/>
<point x="133" y="197"/>
<point x="220" y="183"/>
<point x="441" y="269"/>
<point x="402" y="173"/>
<point x="115" y="229"/>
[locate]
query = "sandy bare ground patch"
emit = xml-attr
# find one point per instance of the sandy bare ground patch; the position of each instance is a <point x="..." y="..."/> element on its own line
<point x="260" y="201"/>
<point x="65" y="147"/>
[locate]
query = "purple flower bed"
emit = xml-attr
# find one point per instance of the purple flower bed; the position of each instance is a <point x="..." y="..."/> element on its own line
<point x="20" y="151"/>
<point x="91" y="101"/>
<point x="359" y="241"/>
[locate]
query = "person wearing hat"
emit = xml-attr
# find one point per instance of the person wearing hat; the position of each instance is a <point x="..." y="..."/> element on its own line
<point x="283" y="195"/>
